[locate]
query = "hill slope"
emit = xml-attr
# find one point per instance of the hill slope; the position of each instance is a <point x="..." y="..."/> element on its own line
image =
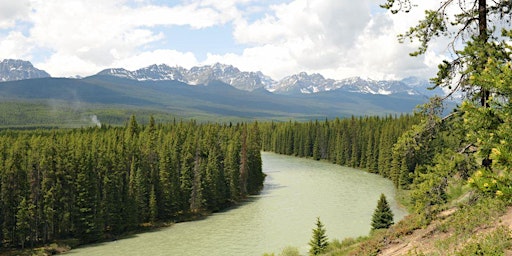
<point x="214" y="101"/>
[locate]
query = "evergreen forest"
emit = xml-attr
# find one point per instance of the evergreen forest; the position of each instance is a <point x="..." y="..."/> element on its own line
<point x="93" y="184"/>
<point x="359" y="142"/>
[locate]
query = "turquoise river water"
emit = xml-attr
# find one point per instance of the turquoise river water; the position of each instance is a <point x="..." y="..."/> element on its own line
<point x="296" y="192"/>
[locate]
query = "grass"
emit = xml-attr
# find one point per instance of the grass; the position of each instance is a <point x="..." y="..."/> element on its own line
<point x="494" y="243"/>
<point x="469" y="227"/>
<point x="470" y="218"/>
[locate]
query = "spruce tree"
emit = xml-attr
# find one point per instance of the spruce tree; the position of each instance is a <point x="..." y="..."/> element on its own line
<point x="25" y="222"/>
<point x="319" y="241"/>
<point x="383" y="216"/>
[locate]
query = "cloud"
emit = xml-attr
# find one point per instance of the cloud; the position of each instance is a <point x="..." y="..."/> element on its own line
<point x="12" y="11"/>
<point x="169" y="57"/>
<point x="313" y="34"/>
<point x="270" y="59"/>
<point x="337" y="38"/>
<point x="104" y="32"/>
<point x="65" y="65"/>
<point x="15" y="45"/>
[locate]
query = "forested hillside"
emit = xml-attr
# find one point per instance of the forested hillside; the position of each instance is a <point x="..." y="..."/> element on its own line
<point x="95" y="183"/>
<point x="360" y="142"/>
<point x="58" y="102"/>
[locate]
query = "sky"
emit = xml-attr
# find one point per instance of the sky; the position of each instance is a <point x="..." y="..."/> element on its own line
<point x="335" y="38"/>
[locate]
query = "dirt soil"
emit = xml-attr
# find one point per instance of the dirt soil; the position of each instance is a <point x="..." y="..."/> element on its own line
<point x="423" y="240"/>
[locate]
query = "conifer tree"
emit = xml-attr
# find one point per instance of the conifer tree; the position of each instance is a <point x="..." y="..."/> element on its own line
<point x="25" y="222"/>
<point x="319" y="241"/>
<point x="166" y="181"/>
<point x="255" y="175"/>
<point x="153" y="206"/>
<point x="382" y="216"/>
<point x="231" y="162"/>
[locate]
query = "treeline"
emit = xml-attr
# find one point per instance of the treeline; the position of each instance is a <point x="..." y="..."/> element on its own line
<point x="101" y="182"/>
<point x="360" y="142"/>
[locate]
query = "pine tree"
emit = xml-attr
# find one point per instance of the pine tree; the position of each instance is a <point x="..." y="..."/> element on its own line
<point x="319" y="241"/>
<point x="255" y="174"/>
<point x="153" y="206"/>
<point x="86" y="221"/>
<point x="231" y="165"/>
<point x="25" y="222"/>
<point x="383" y="216"/>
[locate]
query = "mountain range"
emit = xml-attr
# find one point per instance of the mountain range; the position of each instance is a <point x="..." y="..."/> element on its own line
<point x="210" y="93"/>
<point x="13" y="70"/>
<point x="299" y="83"/>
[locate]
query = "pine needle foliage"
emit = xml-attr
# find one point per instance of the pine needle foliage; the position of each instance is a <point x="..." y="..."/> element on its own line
<point x="383" y="216"/>
<point x="319" y="241"/>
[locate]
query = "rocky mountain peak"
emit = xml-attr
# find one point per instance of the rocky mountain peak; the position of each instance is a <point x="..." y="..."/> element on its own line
<point x="13" y="70"/>
<point x="298" y="83"/>
<point x="196" y="75"/>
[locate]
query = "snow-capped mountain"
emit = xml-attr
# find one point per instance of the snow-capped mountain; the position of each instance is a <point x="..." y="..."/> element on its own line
<point x="197" y="75"/>
<point x="304" y="83"/>
<point x="299" y="83"/>
<point x="13" y="70"/>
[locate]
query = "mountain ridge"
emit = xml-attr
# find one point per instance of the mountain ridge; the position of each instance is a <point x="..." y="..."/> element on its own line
<point x="112" y="98"/>
<point x="301" y="83"/>
<point x="196" y="75"/>
<point x="14" y="70"/>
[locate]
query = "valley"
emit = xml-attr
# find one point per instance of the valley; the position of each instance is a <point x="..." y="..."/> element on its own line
<point x="113" y="95"/>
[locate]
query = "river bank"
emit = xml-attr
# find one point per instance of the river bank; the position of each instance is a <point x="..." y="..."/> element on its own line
<point x="296" y="191"/>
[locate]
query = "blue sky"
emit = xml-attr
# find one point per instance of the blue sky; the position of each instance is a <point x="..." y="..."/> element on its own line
<point x="336" y="38"/>
<point x="216" y="40"/>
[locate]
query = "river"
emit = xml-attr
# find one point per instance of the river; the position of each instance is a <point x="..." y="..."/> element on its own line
<point x="296" y="192"/>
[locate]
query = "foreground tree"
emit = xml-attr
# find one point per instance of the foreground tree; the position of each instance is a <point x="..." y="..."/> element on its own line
<point x="465" y="23"/>
<point x="489" y="129"/>
<point x="383" y="216"/>
<point x="319" y="241"/>
<point x="479" y="33"/>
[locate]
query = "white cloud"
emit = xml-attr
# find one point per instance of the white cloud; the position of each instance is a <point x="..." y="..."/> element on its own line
<point x="15" y="45"/>
<point x="337" y="38"/>
<point x="314" y="34"/>
<point x="334" y="38"/>
<point x="169" y="57"/>
<point x="63" y="65"/>
<point x="270" y="59"/>
<point x="12" y="11"/>
<point x="99" y="33"/>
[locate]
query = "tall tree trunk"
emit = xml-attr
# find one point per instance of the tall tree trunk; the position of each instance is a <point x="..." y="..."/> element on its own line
<point x="482" y="30"/>
<point x="482" y="19"/>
